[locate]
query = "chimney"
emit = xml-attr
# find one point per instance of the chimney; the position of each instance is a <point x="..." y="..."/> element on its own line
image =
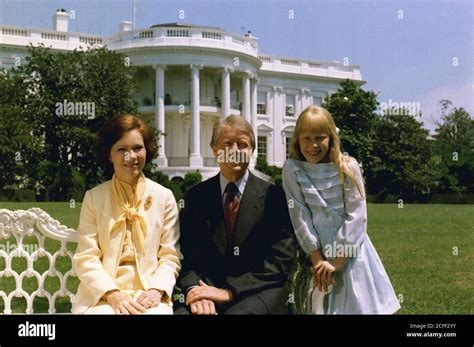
<point x="125" y="26"/>
<point x="60" y="20"/>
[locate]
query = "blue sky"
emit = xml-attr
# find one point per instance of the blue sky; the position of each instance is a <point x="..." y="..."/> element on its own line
<point x="407" y="50"/>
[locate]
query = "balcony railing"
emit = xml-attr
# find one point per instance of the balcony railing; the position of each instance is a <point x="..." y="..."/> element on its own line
<point x="187" y="36"/>
<point x="58" y="40"/>
<point x="309" y="67"/>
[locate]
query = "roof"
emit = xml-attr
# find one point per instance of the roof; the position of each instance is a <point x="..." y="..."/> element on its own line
<point x="183" y="25"/>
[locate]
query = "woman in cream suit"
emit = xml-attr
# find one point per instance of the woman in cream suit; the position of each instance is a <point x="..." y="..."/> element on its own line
<point x="128" y="256"/>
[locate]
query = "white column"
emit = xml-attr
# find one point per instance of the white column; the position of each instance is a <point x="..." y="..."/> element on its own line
<point x="246" y="96"/>
<point x="195" y="159"/>
<point x="305" y="98"/>
<point x="278" y="114"/>
<point x="161" y="161"/>
<point x="225" y="107"/>
<point x="298" y="103"/>
<point x="253" y="117"/>
<point x="270" y="142"/>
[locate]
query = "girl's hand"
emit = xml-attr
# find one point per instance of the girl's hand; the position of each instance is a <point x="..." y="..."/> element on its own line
<point x="320" y="282"/>
<point x="338" y="262"/>
<point x="123" y="304"/>
<point x="316" y="257"/>
<point x="322" y="275"/>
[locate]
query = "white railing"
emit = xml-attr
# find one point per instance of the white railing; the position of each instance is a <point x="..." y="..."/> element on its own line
<point x="265" y="59"/>
<point x="145" y="34"/>
<point x="14" y="32"/>
<point x="53" y="36"/>
<point x="57" y="40"/>
<point x="90" y="40"/>
<point x="192" y="36"/>
<point x="211" y="35"/>
<point x="291" y="62"/>
<point x="309" y="67"/>
<point x="177" y="33"/>
<point x="22" y="226"/>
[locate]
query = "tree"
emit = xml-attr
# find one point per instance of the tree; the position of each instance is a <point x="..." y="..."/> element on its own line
<point x="18" y="151"/>
<point x="455" y="146"/>
<point x="404" y="164"/>
<point x="354" y="111"/>
<point x="68" y="97"/>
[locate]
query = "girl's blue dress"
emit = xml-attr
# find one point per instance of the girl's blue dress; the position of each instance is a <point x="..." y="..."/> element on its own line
<point x="327" y="218"/>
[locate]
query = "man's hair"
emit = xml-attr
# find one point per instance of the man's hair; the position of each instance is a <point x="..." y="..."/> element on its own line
<point x="235" y="122"/>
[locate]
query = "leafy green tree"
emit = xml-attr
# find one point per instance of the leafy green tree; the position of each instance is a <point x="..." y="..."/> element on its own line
<point x="69" y="96"/>
<point x="455" y="146"/>
<point x="354" y="111"/>
<point x="18" y="150"/>
<point x="404" y="163"/>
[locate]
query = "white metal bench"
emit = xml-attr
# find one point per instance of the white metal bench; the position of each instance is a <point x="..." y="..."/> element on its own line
<point x="23" y="226"/>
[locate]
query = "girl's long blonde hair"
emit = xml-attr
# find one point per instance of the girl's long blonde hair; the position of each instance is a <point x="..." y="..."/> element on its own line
<point x="318" y="120"/>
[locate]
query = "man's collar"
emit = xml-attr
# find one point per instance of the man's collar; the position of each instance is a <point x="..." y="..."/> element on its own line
<point x="240" y="183"/>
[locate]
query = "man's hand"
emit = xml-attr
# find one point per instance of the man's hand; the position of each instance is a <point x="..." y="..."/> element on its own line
<point x="123" y="304"/>
<point x="203" y="306"/>
<point x="217" y="295"/>
<point x="150" y="298"/>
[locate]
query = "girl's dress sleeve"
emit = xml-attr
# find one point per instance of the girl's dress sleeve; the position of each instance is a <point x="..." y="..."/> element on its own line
<point x="354" y="228"/>
<point x="300" y="214"/>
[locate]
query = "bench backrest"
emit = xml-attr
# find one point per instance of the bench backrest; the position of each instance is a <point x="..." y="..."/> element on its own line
<point x="27" y="234"/>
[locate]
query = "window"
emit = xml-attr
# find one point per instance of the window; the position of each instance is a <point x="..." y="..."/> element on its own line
<point x="288" y="146"/>
<point x="261" y="103"/>
<point x="262" y="147"/>
<point x="290" y="106"/>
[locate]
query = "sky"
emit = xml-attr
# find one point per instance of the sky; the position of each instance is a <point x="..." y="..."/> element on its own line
<point x="415" y="51"/>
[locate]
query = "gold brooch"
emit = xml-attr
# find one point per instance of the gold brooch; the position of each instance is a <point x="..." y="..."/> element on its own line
<point x="147" y="204"/>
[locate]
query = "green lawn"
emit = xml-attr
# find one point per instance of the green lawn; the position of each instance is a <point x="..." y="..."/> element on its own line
<point x="415" y="243"/>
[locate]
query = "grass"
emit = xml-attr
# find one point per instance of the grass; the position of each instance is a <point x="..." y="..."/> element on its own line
<point x="416" y="243"/>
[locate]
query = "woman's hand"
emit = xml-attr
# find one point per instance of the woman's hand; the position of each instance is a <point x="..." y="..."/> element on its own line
<point x="123" y="304"/>
<point x="150" y="298"/>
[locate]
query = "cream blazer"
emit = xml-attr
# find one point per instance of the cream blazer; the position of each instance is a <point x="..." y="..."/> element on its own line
<point x="98" y="252"/>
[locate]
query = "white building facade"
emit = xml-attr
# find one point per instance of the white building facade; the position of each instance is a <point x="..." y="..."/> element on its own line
<point x="190" y="75"/>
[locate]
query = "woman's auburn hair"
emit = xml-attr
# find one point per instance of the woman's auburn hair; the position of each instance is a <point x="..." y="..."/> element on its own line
<point x="115" y="128"/>
<point x="318" y="120"/>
